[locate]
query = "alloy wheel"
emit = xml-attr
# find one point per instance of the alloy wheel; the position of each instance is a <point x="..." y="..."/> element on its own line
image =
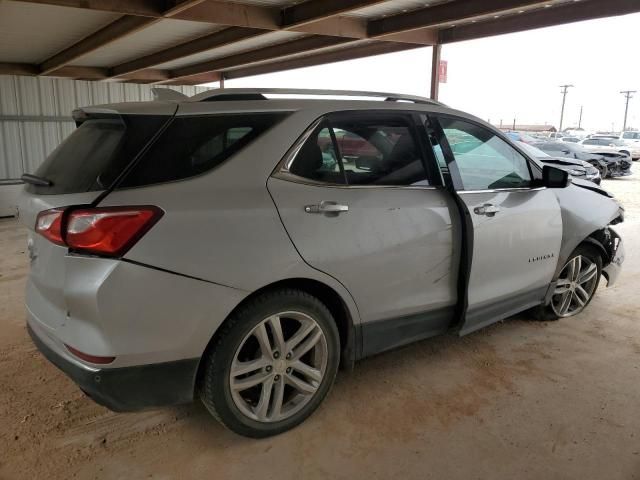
<point x="575" y="286"/>
<point x="278" y="367"/>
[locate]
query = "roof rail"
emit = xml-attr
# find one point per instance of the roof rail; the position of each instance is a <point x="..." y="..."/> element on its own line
<point x="223" y="94"/>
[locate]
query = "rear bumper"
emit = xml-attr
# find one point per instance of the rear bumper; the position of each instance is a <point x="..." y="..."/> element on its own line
<point x="127" y="388"/>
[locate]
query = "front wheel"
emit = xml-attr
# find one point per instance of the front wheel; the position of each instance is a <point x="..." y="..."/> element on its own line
<point x="576" y="284"/>
<point x="272" y="364"/>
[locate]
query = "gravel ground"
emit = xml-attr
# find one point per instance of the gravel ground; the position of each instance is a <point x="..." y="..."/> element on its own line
<point x="519" y="399"/>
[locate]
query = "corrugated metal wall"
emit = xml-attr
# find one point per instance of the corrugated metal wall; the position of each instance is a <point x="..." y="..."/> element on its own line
<point x="35" y="114"/>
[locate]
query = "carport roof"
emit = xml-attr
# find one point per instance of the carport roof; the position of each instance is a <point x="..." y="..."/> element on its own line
<point x="197" y="41"/>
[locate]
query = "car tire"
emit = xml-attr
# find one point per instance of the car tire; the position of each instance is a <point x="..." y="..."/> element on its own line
<point x="245" y="340"/>
<point x="580" y="289"/>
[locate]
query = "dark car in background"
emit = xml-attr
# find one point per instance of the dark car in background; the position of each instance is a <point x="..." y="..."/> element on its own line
<point x="521" y="137"/>
<point x="576" y="168"/>
<point x="611" y="164"/>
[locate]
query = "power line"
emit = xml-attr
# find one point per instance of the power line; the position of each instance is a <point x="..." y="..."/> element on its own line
<point x="628" y="96"/>
<point x="565" y="89"/>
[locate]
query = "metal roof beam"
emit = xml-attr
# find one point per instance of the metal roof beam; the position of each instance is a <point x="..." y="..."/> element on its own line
<point x="317" y="17"/>
<point x="314" y="10"/>
<point x="87" y="73"/>
<point x="308" y="44"/>
<point x="125" y="25"/>
<point x="149" y="8"/>
<point x="441" y="14"/>
<point x="547" y="17"/>
<point x="202" y="44"/>
<point x="18" y="69"/>
<point x="321" y="58"/>
<point x="121" y="27"/>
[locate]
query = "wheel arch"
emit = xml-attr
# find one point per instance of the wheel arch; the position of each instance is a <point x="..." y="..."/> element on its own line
<point x="323" y="292"/>
<point x="601" y="240"/>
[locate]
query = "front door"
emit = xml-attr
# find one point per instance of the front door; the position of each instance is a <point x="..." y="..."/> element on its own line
<point x="516" y="229"/>
<point x="359" y="206"/>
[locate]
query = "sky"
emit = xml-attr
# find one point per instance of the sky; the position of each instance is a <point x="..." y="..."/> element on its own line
<point x="505" y="77"/>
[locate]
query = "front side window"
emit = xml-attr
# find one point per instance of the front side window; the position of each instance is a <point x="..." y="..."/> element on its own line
<point x="362" y="151"/>
<point x="484" y="160"/>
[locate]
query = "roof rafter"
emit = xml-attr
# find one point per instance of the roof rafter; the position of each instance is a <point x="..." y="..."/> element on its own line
<point x="441" y="14"/>
<point x="349" y="53"/>
<point x="272" y="52"/>
<point x="547" y="17"/>
<point x="314" y="10"/>
<point x="119" y="28"/>
<point x="78" y="72"/>
<point x="208" y="42"/>
<point x="318" y="17"/>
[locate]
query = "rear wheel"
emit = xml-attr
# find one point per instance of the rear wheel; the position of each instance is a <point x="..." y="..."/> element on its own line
<point x="272" y="364"/>
<point x="576" y="284"/>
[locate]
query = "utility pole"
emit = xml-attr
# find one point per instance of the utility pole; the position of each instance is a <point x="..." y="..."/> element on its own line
<point x="565" y="89"/>
<point x="628" y="95"/>
<point x="580" y="118"/>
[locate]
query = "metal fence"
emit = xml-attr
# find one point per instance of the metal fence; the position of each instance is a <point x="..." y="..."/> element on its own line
<point x="35" y="114"/>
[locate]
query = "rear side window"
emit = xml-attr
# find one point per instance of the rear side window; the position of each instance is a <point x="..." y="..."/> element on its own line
<point x="381" y="150"/>
<point x="194" y="145"/>
<point x="96" y="152"/>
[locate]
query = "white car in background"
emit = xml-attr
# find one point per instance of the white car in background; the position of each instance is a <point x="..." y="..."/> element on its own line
<point x="631" y="135"/>
<point x="632" y="140"/>
<point x="608" y="144"/>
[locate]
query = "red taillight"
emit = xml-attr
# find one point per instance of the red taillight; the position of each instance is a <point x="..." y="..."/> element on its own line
<point x="90" y="358"/>
<point x="49" y="225"/>
<point x="107" y="231"/>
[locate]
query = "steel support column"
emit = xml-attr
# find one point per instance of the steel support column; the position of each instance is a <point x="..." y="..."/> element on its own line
<point x="435" y="70"/>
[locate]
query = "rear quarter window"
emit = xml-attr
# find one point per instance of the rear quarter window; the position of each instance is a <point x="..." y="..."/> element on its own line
<point x="191" y="146"/>
<point x="92" y="157"/>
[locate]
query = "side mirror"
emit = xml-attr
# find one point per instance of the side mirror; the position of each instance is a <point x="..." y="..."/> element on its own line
<point x="553" y="177"/>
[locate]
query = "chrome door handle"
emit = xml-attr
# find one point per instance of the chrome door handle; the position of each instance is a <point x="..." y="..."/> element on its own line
<point x="487" y="209"/>
<point x="331" y="208"/>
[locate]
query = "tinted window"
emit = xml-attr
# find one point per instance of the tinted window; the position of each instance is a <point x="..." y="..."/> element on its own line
<point x="631" y="135"/>
<point x="484" y="160"/>
<point x="96" y="153"/>
<point x="318" y="159"/>
<point x="591" y="142"/>
<point x="380" y="151"/>
<point x="532" y="150"/>
<point x="193" y="145"/>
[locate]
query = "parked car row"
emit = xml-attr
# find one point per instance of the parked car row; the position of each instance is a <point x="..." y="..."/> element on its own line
<point x="608" y="144"/>
<point x="627" y="142"/>
<point x="610" y="163"/>
<point x="576" y="168"/>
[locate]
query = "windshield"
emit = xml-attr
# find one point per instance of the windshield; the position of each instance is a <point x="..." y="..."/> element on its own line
<point x="533" y="151"/>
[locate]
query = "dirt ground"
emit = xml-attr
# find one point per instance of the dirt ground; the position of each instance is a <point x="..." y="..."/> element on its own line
<point x="519" y="399"/>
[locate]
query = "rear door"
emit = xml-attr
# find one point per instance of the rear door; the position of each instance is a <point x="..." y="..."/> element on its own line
<point x="376" y="221"/>
<point x="515" y="229"/>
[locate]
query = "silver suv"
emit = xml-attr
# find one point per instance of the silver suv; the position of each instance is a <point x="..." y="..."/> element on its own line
<point x="240" y="248"/>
